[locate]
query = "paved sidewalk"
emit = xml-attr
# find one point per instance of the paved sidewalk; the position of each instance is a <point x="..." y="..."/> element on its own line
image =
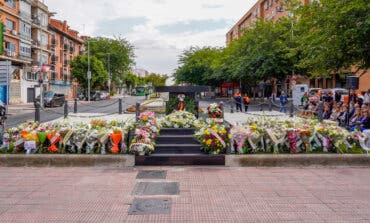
<point x="207" y="194"/>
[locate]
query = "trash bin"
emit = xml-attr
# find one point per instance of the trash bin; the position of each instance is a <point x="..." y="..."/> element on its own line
<point x="3" y="94"/>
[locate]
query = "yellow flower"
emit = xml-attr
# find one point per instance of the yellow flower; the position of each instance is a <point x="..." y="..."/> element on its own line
<point x="229" y="136"/>
<point x="223" y="131"/>
<point x="206" y="132"/>
<point x="218" y="151"/>
<point x="145" y="118"/>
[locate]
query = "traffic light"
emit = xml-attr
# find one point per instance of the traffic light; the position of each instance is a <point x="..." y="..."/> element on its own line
<point x="1" y="37"/>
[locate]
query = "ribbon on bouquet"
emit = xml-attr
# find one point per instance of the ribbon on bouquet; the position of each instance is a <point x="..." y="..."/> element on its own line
<point x="253" y="145"/>
<point x="275" y="140"/>
<point x="325" y="142"/>
<point x="363" y="145"/>
<point x="217" y="137"/>
<point x="103" y="140"/>
<point x="239" y="138"/>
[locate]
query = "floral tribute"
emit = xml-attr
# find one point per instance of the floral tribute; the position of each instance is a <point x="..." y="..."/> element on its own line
<point x="214" y="110"/>
<point x="295" y="135"/>
<point x="64" y="137"/>
<point x="179" y="119"/>
<point x="214" y="138"/>
<point x="147" y="129"/>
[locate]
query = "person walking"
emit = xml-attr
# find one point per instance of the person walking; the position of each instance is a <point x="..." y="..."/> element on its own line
<point x="247" y="100"/>
<point x="238" y="101"/>
<point x="283" y="102"/>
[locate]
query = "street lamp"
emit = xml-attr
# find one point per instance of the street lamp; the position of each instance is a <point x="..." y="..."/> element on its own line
<point x="88" y="70"/>
<point x="109" y="75"/>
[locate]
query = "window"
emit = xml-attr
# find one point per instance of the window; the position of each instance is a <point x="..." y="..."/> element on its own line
<point x="10" y="3"/>
<point x="10" y="47"/>
<point x="9" y="24"/>
<point x="24" y="29"/>
<point x="43" y="39"/>
<point x="24" y="49"/>
<point x="266" y="5"/>
<point x="44" y="59"/>
<point x="43" y="19"/>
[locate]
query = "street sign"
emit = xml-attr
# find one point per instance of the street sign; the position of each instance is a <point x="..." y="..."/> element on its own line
<point x="88" y="74"/>
<point x="5" y="72"/>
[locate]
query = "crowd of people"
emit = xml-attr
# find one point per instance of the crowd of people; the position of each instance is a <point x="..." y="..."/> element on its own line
<point x="334" y="108"/>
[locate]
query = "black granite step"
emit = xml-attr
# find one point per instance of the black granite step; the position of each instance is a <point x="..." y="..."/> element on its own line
<point x="179" y="160"/>
<point x="176" y="139"/>
<point x="191" y="148"/>
<point x="173" y="131"/>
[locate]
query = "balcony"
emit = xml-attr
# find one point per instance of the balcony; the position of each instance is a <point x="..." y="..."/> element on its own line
<point x="10" y="53"/>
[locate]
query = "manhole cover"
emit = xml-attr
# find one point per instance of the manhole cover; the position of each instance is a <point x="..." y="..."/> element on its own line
<point x="151" y="174"/>
<point x="150" y="206"/>
<point x="156" y="188"/>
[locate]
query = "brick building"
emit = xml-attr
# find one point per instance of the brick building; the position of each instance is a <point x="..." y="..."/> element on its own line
<point x="274" y="10"/>
<point x="66" y="45"/>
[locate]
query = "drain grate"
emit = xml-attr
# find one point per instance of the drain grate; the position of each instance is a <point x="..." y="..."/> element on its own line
<point x="152" y="174"/>
<point x="150" y="206"/>
<point x="157" y="188"/>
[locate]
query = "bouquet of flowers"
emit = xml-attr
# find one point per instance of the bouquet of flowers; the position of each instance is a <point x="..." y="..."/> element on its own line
<point x="214" y="110"/>
<point x="80" y="131"/>
<point x="142" y="143"/>
<point x="214" y="138"/>
<point x="239" y="135"/>
<point x="179" y="119"/>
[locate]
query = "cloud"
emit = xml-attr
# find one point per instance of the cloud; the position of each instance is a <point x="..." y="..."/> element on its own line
<point x="118" y="26"/>
<point x="159" y="29"/>
<point x="193" y="26"/>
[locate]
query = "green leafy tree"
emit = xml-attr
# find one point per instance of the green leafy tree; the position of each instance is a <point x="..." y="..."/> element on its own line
<point x="116" y="53"/>
<point x="99" y="75"/>
<point x="334" y="35"/>
<point x="156" y="79"/>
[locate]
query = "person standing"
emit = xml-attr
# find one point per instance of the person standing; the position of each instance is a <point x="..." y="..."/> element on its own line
<point x="337" y="96"/>
<point x="283" y="102"/>
<point x="238" y="101"/>
<point x="247" y="100"/>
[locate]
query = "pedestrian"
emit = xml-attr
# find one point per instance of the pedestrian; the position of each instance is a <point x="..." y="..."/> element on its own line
<point x="238" y="101"/>
<point x="247" y="100"/>
<point x="337" y="96"/>
<point x="304" y="100"/>
<point x="283" y="102"/>
<point x="367" y="97"/>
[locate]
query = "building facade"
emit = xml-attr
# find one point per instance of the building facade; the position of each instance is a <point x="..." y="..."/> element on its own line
<point x="274" y="10"/>
<point x="66" y="45"/>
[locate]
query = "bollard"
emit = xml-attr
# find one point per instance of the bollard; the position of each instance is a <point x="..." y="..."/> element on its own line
<point x="37" y="111"/>
<point x="291" y="109"/>
<point x="137" y="111"/>
<point x="231" y="107"/>
<point x="120" y="106"/>
<point x="65" y="109"/>
<point x="75" y="106"/>
<point x="270" y="105"/>
<point x="261" y="107"/>
<point x="196" y="109"/>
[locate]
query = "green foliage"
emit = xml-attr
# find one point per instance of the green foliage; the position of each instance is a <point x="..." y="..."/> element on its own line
<point x="156" y="79"/>
<point x="99" y="75"/>
<point x="120" y="58"/>
<point x="172" y="103"/>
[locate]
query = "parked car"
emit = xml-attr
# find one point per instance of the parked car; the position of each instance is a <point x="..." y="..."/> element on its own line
<point x="52" y="99"/>
<point x="104" y="95"/>
<point x="95" y="96"/>
<point x="313" y="91"/>
<point x="81" y="96"/>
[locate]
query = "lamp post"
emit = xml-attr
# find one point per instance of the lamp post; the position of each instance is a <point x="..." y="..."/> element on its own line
<point x="109" y="75"/>
<point x="88" y="70"/>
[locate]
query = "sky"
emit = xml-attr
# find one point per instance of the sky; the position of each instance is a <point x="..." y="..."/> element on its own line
<point x="159" y="30"/>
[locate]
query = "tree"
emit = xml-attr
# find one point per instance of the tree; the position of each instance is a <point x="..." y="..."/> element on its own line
<point x="99" y="75"/>
<point x="131" y="80"/>
<point x="334" y="35"/>
<point x="156" y="79"/>
<point x="118" y="51"/>
<point x="197" y="66"/>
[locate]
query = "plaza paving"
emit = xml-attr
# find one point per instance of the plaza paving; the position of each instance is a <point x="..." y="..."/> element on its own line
<point x="206" y="194"/>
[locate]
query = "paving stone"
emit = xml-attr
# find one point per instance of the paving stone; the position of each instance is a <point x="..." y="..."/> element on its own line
<point x="150" y="206"/>
<point x="152" y="174"/>
<point x="157" y="188"/>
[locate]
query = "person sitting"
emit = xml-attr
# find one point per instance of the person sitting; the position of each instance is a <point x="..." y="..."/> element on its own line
<point x="364" y="122"/>
<point x="353" y="121"/>
<point x="327" y="112"/>
<point x="343" y="115"/>
<point x="335" y="113"/>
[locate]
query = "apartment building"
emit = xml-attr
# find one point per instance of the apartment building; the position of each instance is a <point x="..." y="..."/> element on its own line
<point x="274" y="10"/>
<point x="66" y="45"/>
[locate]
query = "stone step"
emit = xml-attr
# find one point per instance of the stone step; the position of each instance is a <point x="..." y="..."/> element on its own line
<point x="176" y="139"/>
<point x="173" y="131"/>
<point x="177" y="148"/>
<point x="179" y="159"/>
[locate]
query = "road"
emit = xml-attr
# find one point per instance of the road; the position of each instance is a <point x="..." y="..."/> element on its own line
<point x="20" y="114"/>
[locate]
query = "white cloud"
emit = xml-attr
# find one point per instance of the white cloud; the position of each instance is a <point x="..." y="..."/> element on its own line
<point x="155" y="51"/>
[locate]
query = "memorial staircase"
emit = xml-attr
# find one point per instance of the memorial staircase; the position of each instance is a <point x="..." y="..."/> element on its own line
<point x="178" y="147"/>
